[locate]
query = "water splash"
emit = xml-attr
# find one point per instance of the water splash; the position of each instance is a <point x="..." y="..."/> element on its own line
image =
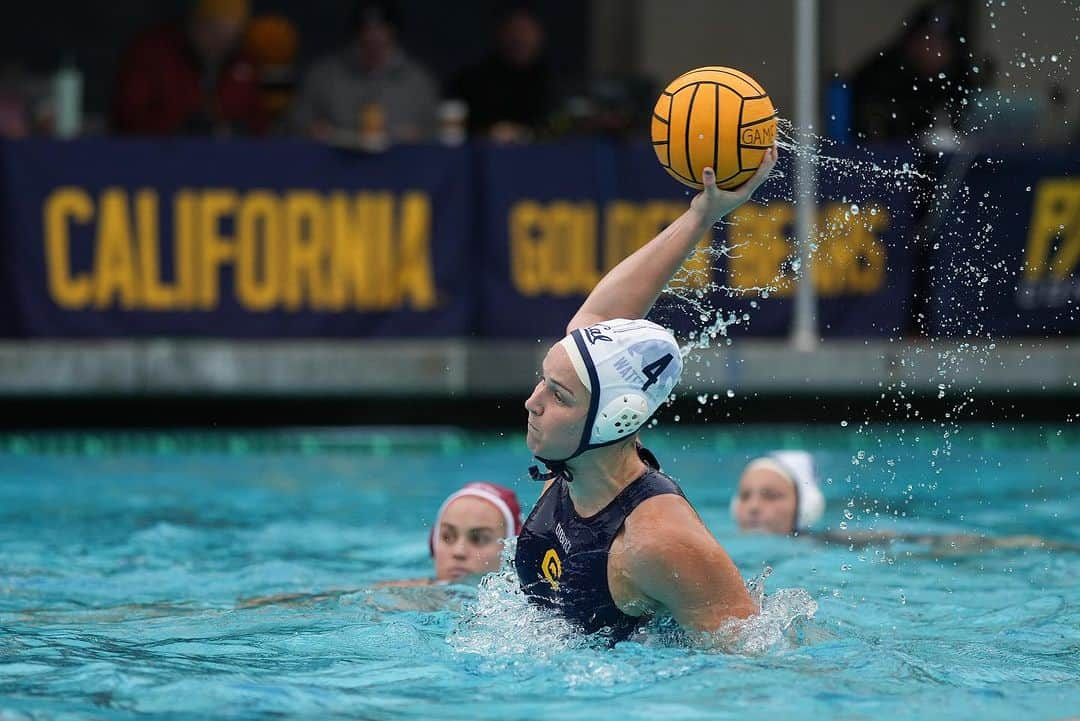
<point x="508" y="632"/>
<point x="501" y="622"/>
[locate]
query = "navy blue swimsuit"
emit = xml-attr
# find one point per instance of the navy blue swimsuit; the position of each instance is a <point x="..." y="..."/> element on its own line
<point x="562" y="558"/>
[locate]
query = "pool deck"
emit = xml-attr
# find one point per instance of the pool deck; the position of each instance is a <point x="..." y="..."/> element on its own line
<point x="463" y="368"/>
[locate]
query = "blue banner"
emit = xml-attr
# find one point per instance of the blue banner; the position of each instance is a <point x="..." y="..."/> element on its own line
<point x="242" y="239"/>
<point x="560" y="217"/>
<point x="1006" y="261"/>
<point x="234" y="239"/>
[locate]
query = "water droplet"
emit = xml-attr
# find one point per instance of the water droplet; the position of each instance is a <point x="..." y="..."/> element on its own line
<point x="843" y="424"/>
<point x="730" y="393"/>
<point x="854" y="209"/>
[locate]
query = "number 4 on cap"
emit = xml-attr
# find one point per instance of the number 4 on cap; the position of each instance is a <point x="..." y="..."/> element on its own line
<point x="655" y="369"/>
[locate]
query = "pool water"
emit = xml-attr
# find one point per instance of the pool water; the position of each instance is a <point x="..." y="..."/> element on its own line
<point x="127" y="565"/>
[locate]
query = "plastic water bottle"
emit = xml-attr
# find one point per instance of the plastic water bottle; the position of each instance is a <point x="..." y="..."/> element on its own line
<point x="67" y="99"/>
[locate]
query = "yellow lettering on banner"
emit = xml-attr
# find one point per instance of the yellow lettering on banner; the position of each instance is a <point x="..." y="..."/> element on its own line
<point x="305" y="250"/>
<point x="1055" y="218"/>
<point x="567" y="261"/>
<point x="583" y="249"/>
<point x="868" y="258"/>
<point x="62" y="207"/>
<point x="628" y="226"/>
<point x="851" y="257"/>
<point x="349" y="282"/>
<point x="302" y="251"/>
<point x="114" y="258"/>
<point x="654" y="216"/>
<point x="259" y="252"/>
<point x="185" y="217"/>
<point x="829" y="261"/>
<point x="415" y="274"/>
<point x="555" y="257"/>
<point x="377" y="219"/>
<point x="526" y="226"/>
<point x="553" y="248"/>
<point x="696" y="271"/>
<point x="216" y="247"/>
<point x="154" y="294"/>
<point x="621" y="231"/>
<point x="759" y="248"/>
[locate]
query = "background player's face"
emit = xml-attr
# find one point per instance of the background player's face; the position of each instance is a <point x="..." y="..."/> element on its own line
<point x="468" y="541"/>
<point x="557" y="408"/>
<point x="765" y="502"/>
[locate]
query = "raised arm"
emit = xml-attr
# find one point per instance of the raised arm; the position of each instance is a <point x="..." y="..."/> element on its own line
<point x="631" y="287"/>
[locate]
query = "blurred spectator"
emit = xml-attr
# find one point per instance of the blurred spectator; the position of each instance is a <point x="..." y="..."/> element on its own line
<point x="918" y="81"/>
<point x="371" y="90"/>
<point x="23" y="104"/>
<point x="509" y="94"/>
<point x="189" y="78"/>
<point x="271" y="44"/>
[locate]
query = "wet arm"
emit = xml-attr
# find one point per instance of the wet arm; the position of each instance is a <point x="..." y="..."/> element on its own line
<point x="631" y="287"/>
<point x="692" y="576"/>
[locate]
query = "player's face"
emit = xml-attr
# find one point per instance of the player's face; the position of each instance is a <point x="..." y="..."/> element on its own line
<point x="557" y="408"/>
<point x="468" y="541"/>
<point x="765" y="502"/>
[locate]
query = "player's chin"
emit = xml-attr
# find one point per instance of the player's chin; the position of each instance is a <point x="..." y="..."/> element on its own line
<point x="755" y="527"/>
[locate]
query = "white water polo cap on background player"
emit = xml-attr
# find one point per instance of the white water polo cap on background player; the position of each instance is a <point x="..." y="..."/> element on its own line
<point x="629" y="368"/>
<point x="797" y="467"/>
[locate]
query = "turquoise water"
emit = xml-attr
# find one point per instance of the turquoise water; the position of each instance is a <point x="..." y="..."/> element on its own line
<point x="126" y="562"/>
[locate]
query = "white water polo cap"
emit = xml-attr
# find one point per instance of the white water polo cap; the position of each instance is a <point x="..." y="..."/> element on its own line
<point x="629" y="368"/>
<point x="798" y="467"/>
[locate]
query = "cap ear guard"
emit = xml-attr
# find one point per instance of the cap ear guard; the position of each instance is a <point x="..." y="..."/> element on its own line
<point x="621" y="417"/>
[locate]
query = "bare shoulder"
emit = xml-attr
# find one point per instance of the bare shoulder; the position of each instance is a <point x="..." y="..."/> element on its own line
<point x="670" y="513"/>
<point x="669" y="559"/>
<point x="662" y="533"/>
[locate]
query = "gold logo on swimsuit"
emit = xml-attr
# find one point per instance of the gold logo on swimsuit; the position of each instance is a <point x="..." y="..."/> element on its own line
<point x="552" y="568"/>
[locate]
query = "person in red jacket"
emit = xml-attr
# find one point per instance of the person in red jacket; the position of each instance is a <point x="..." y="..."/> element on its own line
<point x="187" y="78"/>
